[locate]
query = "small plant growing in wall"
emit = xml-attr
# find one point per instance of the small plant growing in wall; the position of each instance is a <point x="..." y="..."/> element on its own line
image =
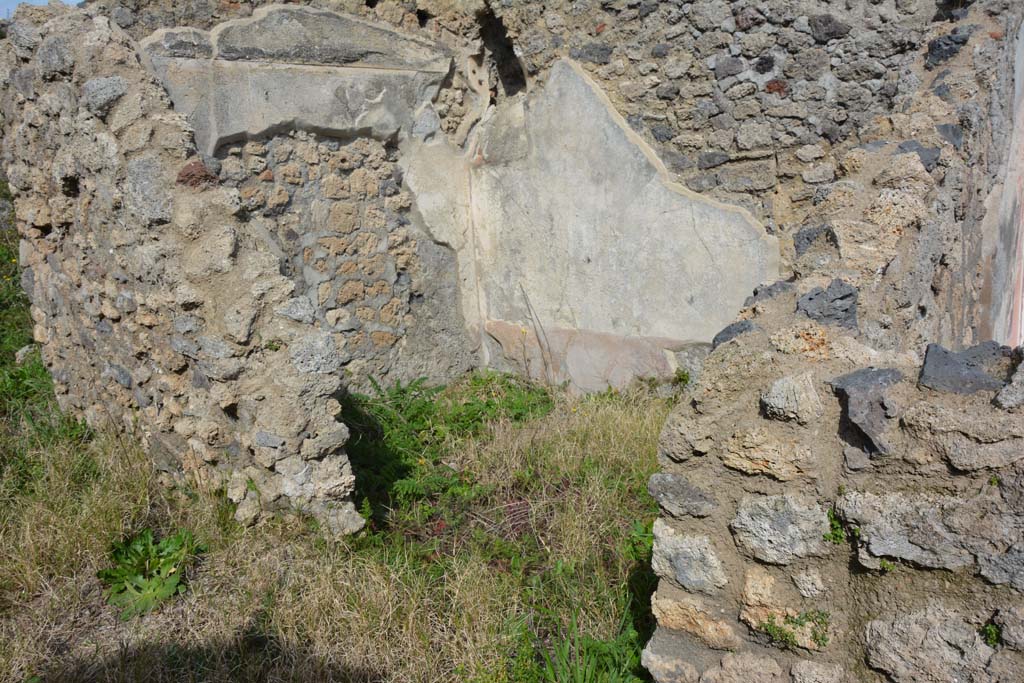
<point x="991" y="634"/>
<point x="886" y="566"/>
<point x="818" y="621"/>
<point x="836" y="534"/>
<point x="778" y="634"/>
<point x="147" y="572"/>
<point x="784" y="635"/>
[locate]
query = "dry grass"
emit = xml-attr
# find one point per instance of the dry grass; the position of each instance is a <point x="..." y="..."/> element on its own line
<point x="437" y="595"/>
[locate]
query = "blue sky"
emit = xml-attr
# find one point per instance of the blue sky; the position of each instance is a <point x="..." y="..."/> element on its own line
<point x="7" y="6"/>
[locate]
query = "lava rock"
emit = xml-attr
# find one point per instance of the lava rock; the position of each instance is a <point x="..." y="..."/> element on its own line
<point x="667" y="91"/>
<point x="944" y="48"/>
<point x="934" y="644"/>
<point x="146" y="194"/>
<point x="595" y="53"/>
<point x="689" y="561"/>
<point x="792" y="398"/>
<point x="298" y="309"/>
<point x="1012" y="395"/>
<point x="25" y="37"/>
<point x="929" y="156"/>
<point x="834" y="305"/>
<point x="806" y="671"/>
<point x="764" y="64"/>
<point x="765" y="292"/>
<point x="1007" y="568"/>
<point x="806" y="237"/>
<point x="728" y="66"/>
<point x="952" y="133"/>
<point x="119" y="374"/>
<point x="662" y="133"/>
<point x="661" y="50"/>
<point x="712" y="159"/>
<point x="938" y="532"/>
<point x="268" y="440"/>
<point x="825" y="27"/>
<point x="732" y="331"/>
<point x="100" y="94"/>
<point x="1011" y="621"/>
<point x="863" y="394"/>
<point x="54" y="57"/>
<point x="780" y="529"/>
<point x="678" y="497"/>
<point x="318" y="354"/>
<point x="664" y="657"/>
<point x="744" y="667"/>
<point x="747" y="18"/>
<point x="984" y="367"/>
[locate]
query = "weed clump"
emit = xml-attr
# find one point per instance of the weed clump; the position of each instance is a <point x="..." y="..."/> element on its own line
<point x="836" y="533"/>
<point x="991" y="634"/>
<point x="147" y="572"/>
<point x="783" y="635"/>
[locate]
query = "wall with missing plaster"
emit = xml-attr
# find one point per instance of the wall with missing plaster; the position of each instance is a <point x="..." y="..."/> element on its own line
<point x="218" y="270"/>
<point x="236" y="226"/>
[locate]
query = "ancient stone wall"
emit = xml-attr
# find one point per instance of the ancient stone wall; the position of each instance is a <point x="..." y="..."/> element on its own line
<point x="841" y="502"/>
<point x="232" y="213"/>
<point x="216" y="304"/>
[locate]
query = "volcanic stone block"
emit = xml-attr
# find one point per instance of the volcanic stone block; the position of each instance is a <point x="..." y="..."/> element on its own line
<point x="933" y="644"/>
<point x="984" y="367"/>
<point x="864" y="394"/>
<point x="679" y="497"/>
<point x="780" y="529"/>
<point x="834" y="305"/>
<point x="689" y="561"/>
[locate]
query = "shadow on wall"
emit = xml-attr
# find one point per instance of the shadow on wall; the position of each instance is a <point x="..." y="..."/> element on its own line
<point x="250" y="656"/>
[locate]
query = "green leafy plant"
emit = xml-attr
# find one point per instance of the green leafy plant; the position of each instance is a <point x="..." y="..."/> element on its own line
<point x="991" y="634"/>
<point x="577" y="658"/>
<point x="836" y="534"/>
<point x="886" y="566"/>
<point x="147" y="572"/>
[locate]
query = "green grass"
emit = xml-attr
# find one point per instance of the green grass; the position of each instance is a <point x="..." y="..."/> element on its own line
<point x="778" y="634"/>
<point x="423" y="501"/>
<point x="400" y="436"/>
<point x="508" y="542"/>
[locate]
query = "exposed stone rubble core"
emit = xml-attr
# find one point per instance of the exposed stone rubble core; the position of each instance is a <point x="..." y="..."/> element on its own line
<point x="279" y="241"/>
<point x="868" y="488"/>
<point x="220" y="306"/>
